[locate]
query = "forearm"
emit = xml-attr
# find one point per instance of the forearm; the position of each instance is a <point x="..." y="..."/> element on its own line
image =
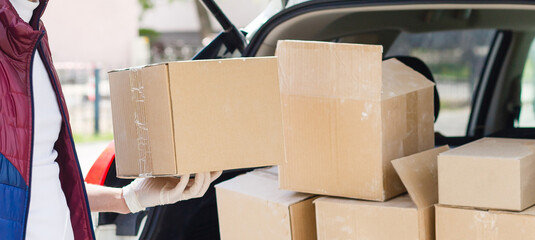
<point x="106" y="199"/>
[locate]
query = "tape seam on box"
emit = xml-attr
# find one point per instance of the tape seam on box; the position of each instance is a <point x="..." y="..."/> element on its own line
<point x="140" y="119"/>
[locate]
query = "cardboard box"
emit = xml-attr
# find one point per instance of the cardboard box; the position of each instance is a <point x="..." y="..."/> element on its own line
<point x="405" y="217"/>
<point x="196" y="116"/>
<point x="251" y="206"/>
<point x="454" y="223"/>
<point x="347" y="115"/>
<point x="490" y="173"/>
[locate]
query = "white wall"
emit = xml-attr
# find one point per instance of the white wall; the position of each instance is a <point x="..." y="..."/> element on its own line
<point x="96" y="31"/>
<point x="242" y="12"/>
<point x="169" y="17"/>
<point x="181" y="15"/>
<point x="105" y="32"/>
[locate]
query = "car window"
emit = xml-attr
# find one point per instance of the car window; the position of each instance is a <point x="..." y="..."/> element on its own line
<point x="527" y="111"/>
<point x="456" y="59"/>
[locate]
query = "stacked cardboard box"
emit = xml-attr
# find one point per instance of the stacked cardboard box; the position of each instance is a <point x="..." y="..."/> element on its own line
<point x="479" y="182"/>
<point x="251" y="206"/>
<point x="346" y="115"/>
<point x="405" y="217"/>
<point x="341" y="123"/>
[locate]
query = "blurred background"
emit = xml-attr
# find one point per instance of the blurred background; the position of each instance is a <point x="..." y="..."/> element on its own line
<point x="90" y="38"/>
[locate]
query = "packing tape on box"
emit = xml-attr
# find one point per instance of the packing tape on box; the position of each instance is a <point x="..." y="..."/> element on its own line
<point x="140" y="118"/>
<point x="485" y="225"/>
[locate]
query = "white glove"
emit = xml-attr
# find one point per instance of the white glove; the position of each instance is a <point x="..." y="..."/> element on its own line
<point x="148" y="192"/>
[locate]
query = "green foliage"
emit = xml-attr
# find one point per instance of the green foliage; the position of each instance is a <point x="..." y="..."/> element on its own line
<point x="149" y="4"/>
<point x="85" y="138"/>
<point x="150" y="33"/>
<point x="454" y="71"/>
<point x="146" y="4"/>
<point x="453" y="105"/>
<point x="528" y="74"/>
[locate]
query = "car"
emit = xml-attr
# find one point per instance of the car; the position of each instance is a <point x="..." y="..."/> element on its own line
<point x="479" y="52"/>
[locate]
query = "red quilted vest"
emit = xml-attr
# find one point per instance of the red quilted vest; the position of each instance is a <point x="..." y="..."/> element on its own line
<point x="19" y="42"/>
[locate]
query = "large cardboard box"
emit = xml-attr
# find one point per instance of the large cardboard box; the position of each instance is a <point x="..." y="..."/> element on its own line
<point x="347" y="115"/>
<point x="454" y="223"/>
<point x="407" y="217"/>
<point x="251" y="206"/>
<point x="490" y="173"/>
<point x="196" y="116"/>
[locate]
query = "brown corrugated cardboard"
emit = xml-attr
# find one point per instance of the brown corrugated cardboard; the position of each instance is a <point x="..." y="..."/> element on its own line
<point x="339" y="218"/>
<point x="490" y="173"/>
<point x="346" y="116"/>
<point x="418" y="173"/>
<point x="454" y="223"/>
<point x="405" y="217"/>
<point x="196" y="116"/>
<point x="251" y="206"/>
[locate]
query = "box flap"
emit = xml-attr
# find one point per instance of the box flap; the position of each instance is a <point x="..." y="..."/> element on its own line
<point x="502" y="148"/>
<point x="299" y="62"/>
<point x="418" y="172"/>
<point x="138" y="126"/>
<point x="156" y="127"/>
<point x="393" y="72"/>
<point x="264" y="185"/>
<point x="124" y="130"/>
<point x="303" y="219"/>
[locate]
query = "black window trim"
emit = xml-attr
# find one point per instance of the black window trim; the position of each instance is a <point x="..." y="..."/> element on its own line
<point x="484" y="91"/>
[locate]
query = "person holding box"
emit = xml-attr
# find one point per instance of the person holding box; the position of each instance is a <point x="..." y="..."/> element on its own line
<point x="42" y="192"/>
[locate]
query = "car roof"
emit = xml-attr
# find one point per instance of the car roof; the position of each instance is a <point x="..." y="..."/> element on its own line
<point x="330" y="19"/>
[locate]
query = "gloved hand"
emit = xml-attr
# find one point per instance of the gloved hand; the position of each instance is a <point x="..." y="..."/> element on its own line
<point x="149" y="192"/>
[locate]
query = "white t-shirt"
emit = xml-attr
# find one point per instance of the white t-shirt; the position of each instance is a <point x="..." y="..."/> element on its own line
<point x="49" y="216"/>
